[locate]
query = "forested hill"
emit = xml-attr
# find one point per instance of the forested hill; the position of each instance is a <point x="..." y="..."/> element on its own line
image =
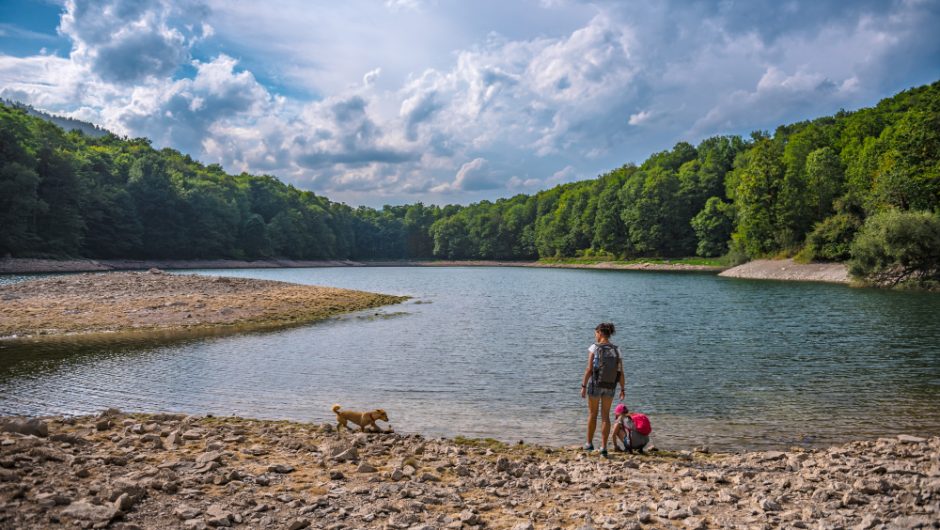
<point x="69" y="194"/>
<point x="68" y="124"/>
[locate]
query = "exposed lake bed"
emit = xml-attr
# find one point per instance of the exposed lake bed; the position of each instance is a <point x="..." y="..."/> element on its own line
<point x="152" y="471"/>
<point x="89" y="304"/>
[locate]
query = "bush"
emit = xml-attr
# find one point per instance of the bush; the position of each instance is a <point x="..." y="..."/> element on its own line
<point x="897" y="247"/>
<point x="831" y="240"/>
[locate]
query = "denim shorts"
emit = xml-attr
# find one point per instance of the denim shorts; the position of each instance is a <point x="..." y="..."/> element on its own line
<point x="594" y="392"/>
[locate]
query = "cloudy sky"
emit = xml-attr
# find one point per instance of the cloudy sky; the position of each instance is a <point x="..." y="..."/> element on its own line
<point x="453" y="101"/>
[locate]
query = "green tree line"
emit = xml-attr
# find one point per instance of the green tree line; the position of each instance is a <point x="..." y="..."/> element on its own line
<point x="808" y="188"/>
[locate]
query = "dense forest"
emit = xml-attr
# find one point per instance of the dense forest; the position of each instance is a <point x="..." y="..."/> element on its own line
<point x="811" y="188"/>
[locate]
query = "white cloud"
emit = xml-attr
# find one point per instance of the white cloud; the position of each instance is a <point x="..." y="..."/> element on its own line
<point x="473" y="176"/>
<point x="457" y="101"/>
<point x="639" y="117"/>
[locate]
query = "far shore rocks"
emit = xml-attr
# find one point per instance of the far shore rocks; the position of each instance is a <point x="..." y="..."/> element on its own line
<point x="241" y="473"/>
<point x="134" y="302"/>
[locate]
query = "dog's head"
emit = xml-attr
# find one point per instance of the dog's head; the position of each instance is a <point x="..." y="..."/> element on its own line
<point x="379" y="414"/>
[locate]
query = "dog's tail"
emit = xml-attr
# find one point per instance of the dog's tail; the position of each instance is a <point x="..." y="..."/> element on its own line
<point x="336" y="408"/>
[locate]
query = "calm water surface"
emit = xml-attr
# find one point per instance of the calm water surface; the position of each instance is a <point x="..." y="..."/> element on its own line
<point x="499" y="352"/>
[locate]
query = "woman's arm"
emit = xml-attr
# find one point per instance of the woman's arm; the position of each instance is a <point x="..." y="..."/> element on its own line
<point x="587" y="373"/>
<point x="623" y="381"/>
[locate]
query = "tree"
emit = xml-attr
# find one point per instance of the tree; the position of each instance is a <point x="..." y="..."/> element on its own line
<point x="713" y="226"/>
<point x="895" y="247"/>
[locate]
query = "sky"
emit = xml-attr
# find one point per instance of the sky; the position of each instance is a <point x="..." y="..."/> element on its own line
<point x="454" y="101"/>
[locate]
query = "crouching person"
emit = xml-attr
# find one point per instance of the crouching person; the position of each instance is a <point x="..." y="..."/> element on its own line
<point x="631" y="431"/>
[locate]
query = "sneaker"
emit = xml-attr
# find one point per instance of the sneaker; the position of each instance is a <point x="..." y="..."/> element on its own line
<point x="588" y="447"/>
<point x="604" y="452"/>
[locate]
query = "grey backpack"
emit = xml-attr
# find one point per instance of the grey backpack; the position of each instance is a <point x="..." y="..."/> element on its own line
<point x="606" y="373"/>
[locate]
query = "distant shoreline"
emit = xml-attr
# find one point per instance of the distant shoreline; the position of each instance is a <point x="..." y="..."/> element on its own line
<point x="40" y="266"/>
<point x="784" y="270"/>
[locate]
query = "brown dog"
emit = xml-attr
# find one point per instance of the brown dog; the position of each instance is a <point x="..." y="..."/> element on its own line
<point x="362" y="419"/>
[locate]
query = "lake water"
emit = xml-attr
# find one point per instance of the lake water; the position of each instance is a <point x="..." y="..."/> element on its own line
<point x="499" y="352"/>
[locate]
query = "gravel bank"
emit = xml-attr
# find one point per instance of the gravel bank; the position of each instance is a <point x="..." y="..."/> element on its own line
<point x="787" y="269"/>
<point x="154" y="301"/>
<point x="173" y="471"/>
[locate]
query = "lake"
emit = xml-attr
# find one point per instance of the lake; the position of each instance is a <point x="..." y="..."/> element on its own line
<point x="499" y="352"/>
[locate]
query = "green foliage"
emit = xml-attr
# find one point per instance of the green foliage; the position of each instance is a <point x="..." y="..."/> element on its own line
<point x="713" y="226"/>
<point x="831" y="239"/>
<point x="809" y="183"/>
<point x="895" y="247"/>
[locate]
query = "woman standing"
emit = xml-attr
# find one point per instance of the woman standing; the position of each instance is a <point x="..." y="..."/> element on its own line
<point x="604" y="369"/>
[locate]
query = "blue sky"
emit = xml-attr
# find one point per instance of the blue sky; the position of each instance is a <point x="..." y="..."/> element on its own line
<point x="397" y="101"/>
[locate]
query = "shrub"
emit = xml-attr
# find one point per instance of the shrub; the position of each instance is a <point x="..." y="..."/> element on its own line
<point x="895" y="247"/>
<point x="831" y="240"/>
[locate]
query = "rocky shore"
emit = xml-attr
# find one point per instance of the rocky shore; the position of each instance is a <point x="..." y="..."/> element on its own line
<point x="140" y="471"/>
<point x="789" y="270"/>
<point x="134" y="302"/>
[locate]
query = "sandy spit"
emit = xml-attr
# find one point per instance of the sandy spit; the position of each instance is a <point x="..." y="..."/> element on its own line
<point x="159" y="471"/>
<point x="155" y="301"/>
<point x="787" y="269"/>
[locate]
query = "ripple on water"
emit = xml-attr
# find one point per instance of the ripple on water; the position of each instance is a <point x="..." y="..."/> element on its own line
<point x="499" y="352"/>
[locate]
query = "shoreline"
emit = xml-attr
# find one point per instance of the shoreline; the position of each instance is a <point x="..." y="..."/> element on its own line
<point x="789" y="270"/>
<point x="41" y="266"/>
<point x="150" y="471"/>
<point x="132" y="304"/>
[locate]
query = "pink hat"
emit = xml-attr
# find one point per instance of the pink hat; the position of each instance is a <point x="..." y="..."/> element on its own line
<point x="620" y="409"/>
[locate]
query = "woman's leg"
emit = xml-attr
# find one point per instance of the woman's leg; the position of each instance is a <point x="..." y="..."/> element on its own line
<point x="592" y="418"/>
<point x="606" y="402"/>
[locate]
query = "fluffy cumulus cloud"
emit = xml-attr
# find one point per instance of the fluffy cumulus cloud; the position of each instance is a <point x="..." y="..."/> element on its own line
<point x="475" y="106"/>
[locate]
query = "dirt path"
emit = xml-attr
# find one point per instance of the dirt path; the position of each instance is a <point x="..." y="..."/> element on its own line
<point x="142" y="301"/>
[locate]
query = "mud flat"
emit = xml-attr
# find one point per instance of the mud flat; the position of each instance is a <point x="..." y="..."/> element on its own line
<point x="139" y="471"/>
<point x="137" y="302"/>
<point x="787" y="269"/>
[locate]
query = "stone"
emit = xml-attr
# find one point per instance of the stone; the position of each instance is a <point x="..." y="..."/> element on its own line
<point x="365" y="467"/>
<point x="185" y="512"/>
<point x="194" y="524"/>
<point x="468" y="517"/>
<point x="28" y="427"/>
<point x="218" y="516"/>
<point x="524" y="526"/>
<point x="350" y="454"/>
<point x="84" y="510"/>
<point x="211" y="456"/>
<point x="768" y="505"/>
<point x="103" y="425"/>
<point x="770" y="456"/>
<point x="298" y="524"/>
<point x="124" y="503"/>
<point x="171" y="441"/>
<point x="908" y="439"/>
<point x="397" y="475"/>
<point x="193" y="434"/>
<point x="281" y="468"/>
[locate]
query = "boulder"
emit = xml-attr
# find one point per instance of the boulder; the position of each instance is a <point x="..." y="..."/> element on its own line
<point x="84" y="510"/>
<point x="29" y="427"/>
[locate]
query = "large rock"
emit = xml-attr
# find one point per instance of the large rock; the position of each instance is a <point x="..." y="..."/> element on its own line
<point x="29" y="427"/>
<point x="84" y="510"/>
